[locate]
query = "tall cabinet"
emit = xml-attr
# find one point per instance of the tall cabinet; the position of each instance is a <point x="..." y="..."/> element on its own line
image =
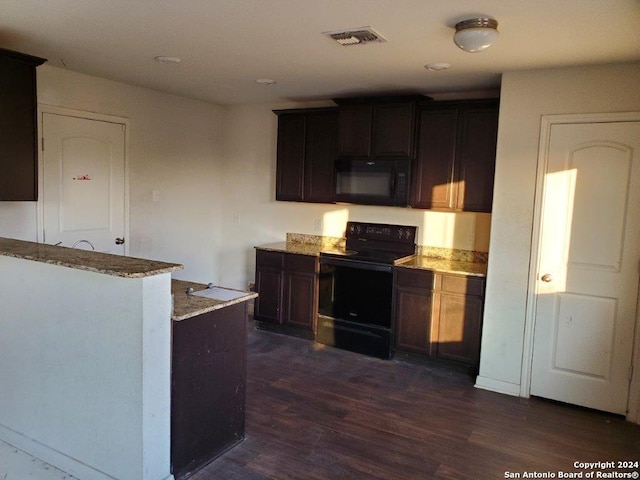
<point x="307" y="149"/>
<point x="18" y="126"/>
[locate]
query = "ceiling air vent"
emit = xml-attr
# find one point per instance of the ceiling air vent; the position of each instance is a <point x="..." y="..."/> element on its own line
<point x="356" y="36"/>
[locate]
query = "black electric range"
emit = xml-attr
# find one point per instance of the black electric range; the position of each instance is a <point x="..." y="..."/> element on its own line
<point x="356" y="287"/>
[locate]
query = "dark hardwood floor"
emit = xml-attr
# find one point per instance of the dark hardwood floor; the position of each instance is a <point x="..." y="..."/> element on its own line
<point x="315" y="412"/>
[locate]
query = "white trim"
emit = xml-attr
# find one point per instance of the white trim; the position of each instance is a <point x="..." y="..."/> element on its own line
<point x="49" y="455"/>
<point x="498" y="386"/>
<point x="633" y="404"/>
<point x="546" y="122"/>
<point x="70" y="112"/>
<point x="62" y="462"/>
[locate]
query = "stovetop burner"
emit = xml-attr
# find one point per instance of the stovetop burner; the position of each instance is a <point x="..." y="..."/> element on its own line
<point x="377" y="242"/>
<point x="372" y="256"/>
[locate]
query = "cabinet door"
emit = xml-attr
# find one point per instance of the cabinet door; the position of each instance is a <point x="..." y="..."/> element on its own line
<point x="393" y="127"/>
<point x="476" y="158"/>
<point x="269" y="287"/>
<point x="432" y="182"/>
<point x="300" y="294"/>
<point x="459" y="327"/>
<point x="18" y="137"/>
<point x="413" y="321"/>
<point x="299" y="300"/>
<point x="412" y="309"/>
<point x="290" y="156"/>
<point x="321" y="153"/>
<point x="354" y="130"/>
<point x="269" y="284"/>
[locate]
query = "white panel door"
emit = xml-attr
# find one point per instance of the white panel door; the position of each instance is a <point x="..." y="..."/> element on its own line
<point x="587" y="277"/>
<point x="83" y="183"/>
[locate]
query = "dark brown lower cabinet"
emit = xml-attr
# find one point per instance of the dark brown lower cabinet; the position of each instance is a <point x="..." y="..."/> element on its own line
<point x="269" y="285"/>
<point x="413" y="306"/>
<point x="287" y="285"/>
<point x="458" y="322"/>
<point x="439" y="315"/>
<point x="208" y="380"/>
<point x="300" y="297"/>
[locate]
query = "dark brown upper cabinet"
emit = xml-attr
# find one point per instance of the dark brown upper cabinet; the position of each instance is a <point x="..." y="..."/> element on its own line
<point x="432" y="185"/>
<point x="455" y="161"/>
<point x="18" y="126"/>
<point x="354" y="130"/>
<point x="307" y="150"/>
<point x="377" y="128"/>
<point x="476" y="158"/>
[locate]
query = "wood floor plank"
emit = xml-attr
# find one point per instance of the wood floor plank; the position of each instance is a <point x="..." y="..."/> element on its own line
<point x="318" y="413"/>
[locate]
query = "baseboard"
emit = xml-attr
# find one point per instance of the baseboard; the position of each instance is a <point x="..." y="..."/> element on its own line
<point x="497" y="386"/>
<point x="53" y="457"/>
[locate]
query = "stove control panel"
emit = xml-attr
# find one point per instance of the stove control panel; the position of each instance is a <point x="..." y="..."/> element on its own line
<point x="381" y="232"/>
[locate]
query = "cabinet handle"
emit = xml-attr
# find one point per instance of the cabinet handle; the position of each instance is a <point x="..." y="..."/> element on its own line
<point x="547" y="277"/>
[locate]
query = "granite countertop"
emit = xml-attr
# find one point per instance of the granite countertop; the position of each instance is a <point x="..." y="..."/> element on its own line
<point x="108" y="264"/>
<point x="444" y="265"/>
<point x="187" y="306"/>
<point x="421" y="262"/>
<point x="300" y="248"/>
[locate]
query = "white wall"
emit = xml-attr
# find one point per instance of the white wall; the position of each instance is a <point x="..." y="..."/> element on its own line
<point x="251" y="215"/>
<point x="215" y="170"/>
<point x="525" y="97"/>
<point x="175" y="148"/>
<point x="85" y="371"/>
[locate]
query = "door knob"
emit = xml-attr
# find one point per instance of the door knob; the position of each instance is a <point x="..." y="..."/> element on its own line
<point x="119" y="240"/>
<point x="547" y="277"/>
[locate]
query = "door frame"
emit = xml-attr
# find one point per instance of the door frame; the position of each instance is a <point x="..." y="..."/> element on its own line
<point x="70" y="112"/>
<point x="546" y="122"/>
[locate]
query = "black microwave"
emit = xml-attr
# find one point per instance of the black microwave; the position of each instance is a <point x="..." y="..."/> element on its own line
<point x="372" y="182"/>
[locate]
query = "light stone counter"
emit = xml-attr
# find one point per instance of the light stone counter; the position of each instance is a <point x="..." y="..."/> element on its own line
<point x="187" y="306"/>
<point x="108" y="264"/>
<point x="457" y="262"/>
<point x="298" y="248"/>
<point x="445" y="265"/>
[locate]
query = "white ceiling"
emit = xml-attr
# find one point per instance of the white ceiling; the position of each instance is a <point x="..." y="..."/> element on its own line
<point x="225" y="45"/>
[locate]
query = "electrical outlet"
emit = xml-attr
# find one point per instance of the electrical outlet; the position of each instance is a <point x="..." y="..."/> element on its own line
<point x="155" y="195"/>
<point x="318" y="225"/>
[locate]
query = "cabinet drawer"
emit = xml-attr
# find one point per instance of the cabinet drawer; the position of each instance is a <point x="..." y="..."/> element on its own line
<point x="266" y="258"/>
<point x="462" y="284"/>
<point x="300" y="263"/>
<point x="411" y="278"/>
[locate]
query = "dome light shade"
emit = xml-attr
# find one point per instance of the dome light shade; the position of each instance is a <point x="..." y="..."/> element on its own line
<point x="476" y="34"/>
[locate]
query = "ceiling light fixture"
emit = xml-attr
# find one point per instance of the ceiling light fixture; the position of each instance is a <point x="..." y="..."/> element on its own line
<point x="475" y="34"/>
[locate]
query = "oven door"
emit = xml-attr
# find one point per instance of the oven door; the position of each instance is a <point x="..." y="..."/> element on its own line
<point x="355" y="306"/>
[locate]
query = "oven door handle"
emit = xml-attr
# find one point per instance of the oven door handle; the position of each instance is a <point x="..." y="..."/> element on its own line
<point x="359" y="264"/>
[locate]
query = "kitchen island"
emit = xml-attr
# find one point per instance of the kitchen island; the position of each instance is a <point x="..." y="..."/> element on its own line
<point x="85" y="359"/>
<point x="208" y="375"/>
